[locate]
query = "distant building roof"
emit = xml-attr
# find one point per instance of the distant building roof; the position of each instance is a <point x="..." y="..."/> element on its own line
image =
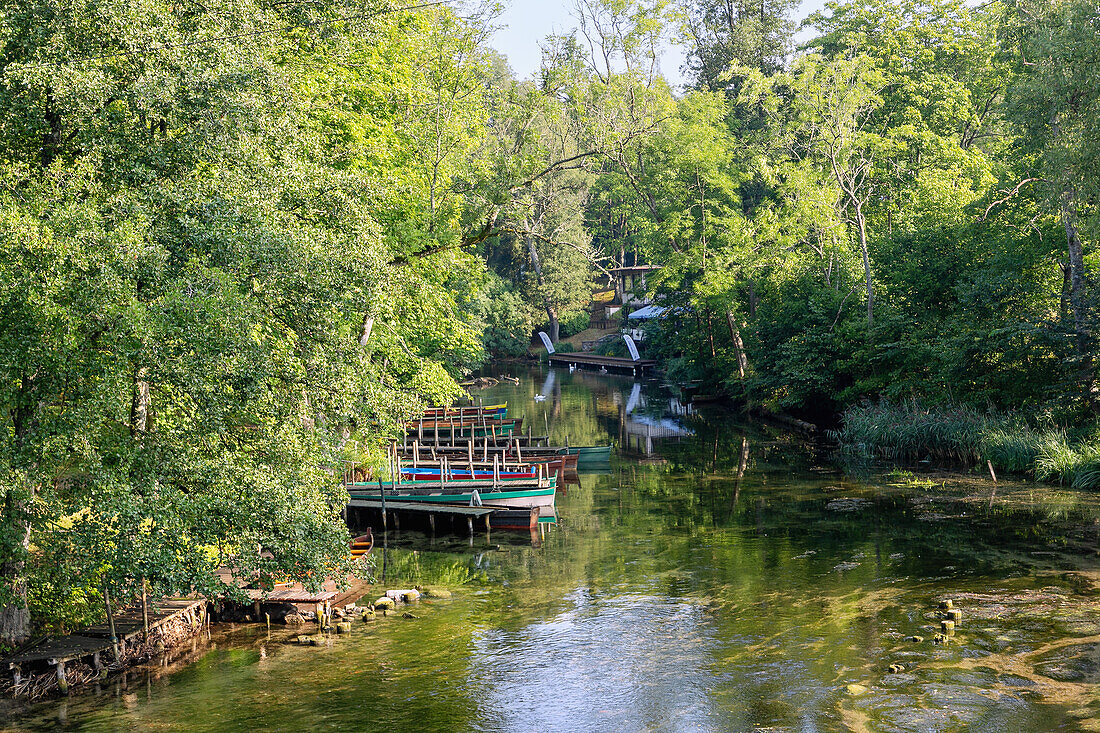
<point x="650" y="311"/>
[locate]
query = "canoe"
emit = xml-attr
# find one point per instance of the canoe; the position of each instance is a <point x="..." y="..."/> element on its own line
<point x="362" y="545"/>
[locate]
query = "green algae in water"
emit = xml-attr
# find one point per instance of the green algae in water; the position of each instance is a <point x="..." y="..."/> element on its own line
<point x="728" y="580"/>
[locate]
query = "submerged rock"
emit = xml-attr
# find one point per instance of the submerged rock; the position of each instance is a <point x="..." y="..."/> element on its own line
<point x="856" y="690"/>
<point x="436" y="593"/>
<point x="847" y="504"/>
<point x="384" y="603"/>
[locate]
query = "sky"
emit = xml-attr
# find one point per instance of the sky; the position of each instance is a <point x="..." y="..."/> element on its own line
<point x="526" y="22"/>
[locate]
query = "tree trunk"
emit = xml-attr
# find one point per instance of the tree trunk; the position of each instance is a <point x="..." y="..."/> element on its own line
<point x="555" y="327"/>
<point x="139" y="405"/>
<point x="1078" y="300"/>
<point x="15" y="617"/>
<point x="861" y="223"/>
<point x="51" y="138"/>
<point x="551" y="311"/>
<point x="1063" y="300"/>
<point x="364" y="334"/>
<point x="738" y="346"/>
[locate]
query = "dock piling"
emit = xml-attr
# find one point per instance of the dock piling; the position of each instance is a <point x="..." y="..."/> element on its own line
<point x="62" y="681"/>
<point x="111" y="623"/>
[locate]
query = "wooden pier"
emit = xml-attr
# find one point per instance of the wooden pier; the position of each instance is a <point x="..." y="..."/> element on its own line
<point x="610" y="363"/>
<point x="416" y="513"/>
<point x="93" y="642"/>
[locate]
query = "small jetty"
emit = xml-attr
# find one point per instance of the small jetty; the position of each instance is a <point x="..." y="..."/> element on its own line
<point x="621" y="364"/>
<point x="441" y="516"/>
<point x="126" y="636"/>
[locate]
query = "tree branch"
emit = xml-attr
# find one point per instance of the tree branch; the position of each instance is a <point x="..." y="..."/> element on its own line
<point x="1012" y="193"/>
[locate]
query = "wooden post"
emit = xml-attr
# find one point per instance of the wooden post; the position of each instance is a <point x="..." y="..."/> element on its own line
<point x="382" y="494"/>
<point x="431" y="521"/>
<point x="470" y="525"/>
<point x="519" y="454"/>
<point x="416" y="452"/>
<point x="62" y="682"/>
<point x="470" y="453"/>
<point x="145" y="609"/>
<point x="111" y="623"/>
<point x="16" y="677"/>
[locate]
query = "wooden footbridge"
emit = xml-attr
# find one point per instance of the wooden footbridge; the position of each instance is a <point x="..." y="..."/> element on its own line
<point x="622" y="364"/>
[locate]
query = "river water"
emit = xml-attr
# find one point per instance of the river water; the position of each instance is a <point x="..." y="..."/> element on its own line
<point x="717" y="576"/>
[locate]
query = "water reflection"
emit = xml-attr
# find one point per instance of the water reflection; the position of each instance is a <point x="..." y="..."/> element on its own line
<point x="739" y="582"/>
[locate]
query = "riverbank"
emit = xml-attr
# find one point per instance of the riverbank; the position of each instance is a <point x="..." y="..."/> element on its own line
<point x="74" y="664"/>
<point x="911" y="434"/>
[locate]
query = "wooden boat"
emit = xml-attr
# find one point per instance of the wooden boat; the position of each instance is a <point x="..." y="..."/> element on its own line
<point x="589" y="452"/>
<point x="446" y="424"/>
<point x="520" y="492"/>
<point x="519" y="519"/>
<point x="431" y="473"/>
<point x="464" y="430"/>
<point x="505" y="461"/>
<point x="489" y="411"/>
<point x="452" y="434"/>
<point x="459" y="456"/>
<point x="362" y="545"/>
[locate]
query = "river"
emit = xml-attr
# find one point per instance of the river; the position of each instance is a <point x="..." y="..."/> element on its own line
<point x="720" y="575"/>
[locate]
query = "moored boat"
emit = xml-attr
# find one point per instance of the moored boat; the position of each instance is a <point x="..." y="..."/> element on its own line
<point x="489" y="411"/>
<point x="362" y="545"/>
<point x="516" y="492"/>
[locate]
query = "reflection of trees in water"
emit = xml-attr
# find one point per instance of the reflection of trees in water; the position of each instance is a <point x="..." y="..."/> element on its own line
<point x="740" y="493"/>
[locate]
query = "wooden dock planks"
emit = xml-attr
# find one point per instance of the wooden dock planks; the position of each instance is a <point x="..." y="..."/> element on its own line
<point x="611" y="363"/>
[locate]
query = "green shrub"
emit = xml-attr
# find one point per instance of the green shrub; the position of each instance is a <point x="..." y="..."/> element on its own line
<point x="573" y="323"/>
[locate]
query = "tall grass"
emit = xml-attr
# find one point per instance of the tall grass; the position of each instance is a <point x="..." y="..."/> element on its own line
<point x="910" y="433"/>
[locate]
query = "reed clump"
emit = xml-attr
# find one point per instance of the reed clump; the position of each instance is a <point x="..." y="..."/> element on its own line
<point x="911" y="433"/>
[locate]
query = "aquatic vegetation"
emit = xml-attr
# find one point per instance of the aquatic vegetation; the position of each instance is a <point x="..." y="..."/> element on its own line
<point x="964" y="435"/>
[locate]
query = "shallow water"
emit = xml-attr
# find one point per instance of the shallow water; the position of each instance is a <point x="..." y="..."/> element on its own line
<point x="718" y="576"/>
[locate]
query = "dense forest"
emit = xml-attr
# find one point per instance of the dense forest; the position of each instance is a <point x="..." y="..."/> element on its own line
<point x="241" y="241"/>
